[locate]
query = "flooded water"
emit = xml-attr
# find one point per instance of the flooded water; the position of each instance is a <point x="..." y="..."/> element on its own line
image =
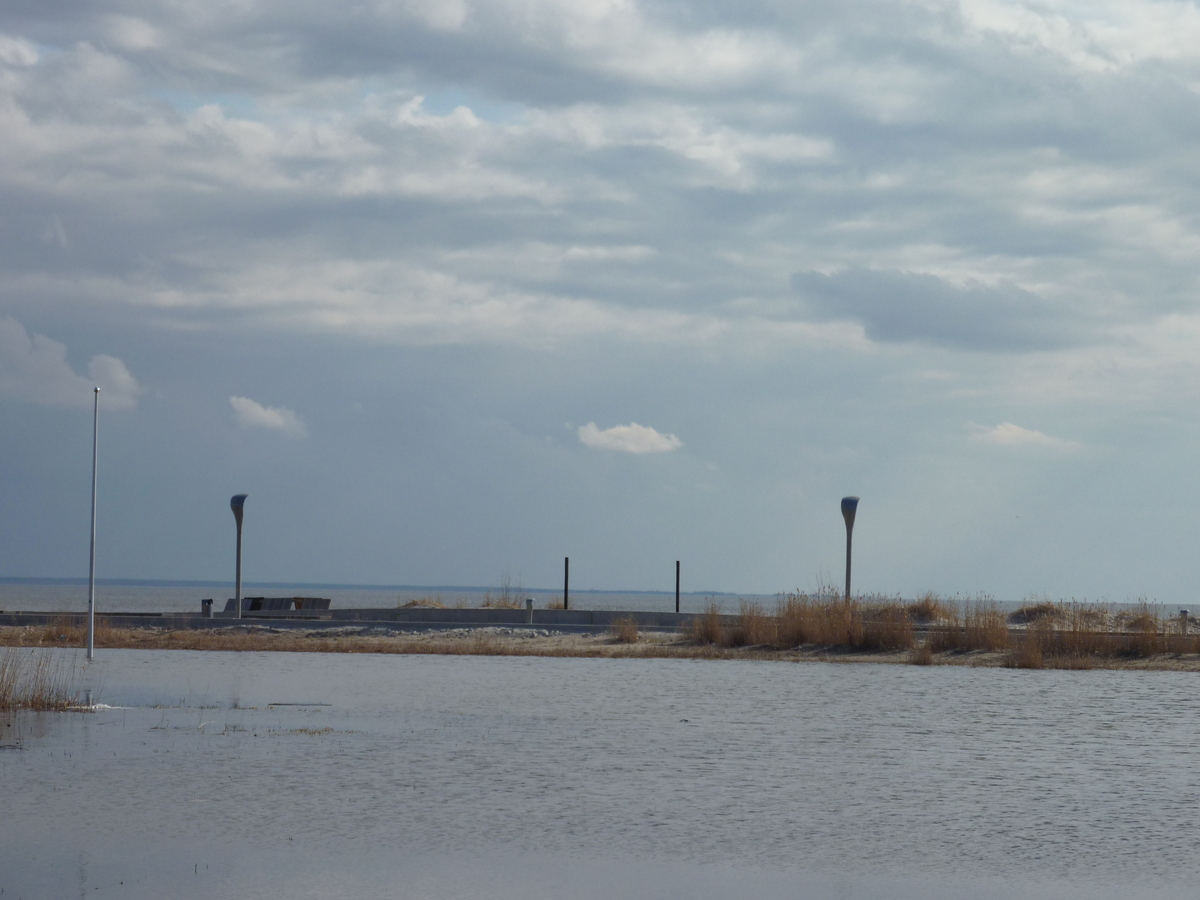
<point x="331" y="775"/>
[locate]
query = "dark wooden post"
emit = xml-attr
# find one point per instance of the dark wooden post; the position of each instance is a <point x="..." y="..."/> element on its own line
<point x="566" y="582"/>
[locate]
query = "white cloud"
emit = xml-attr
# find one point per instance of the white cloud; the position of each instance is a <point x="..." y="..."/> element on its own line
<point x="118" y="387"/>
<point x="1066" y="222"/>
<point x="250" y="414"/>
<point x="34" y="368"/>
<point x="441" y="15"/>
<point x="130" y="33"/>
<point x="631" y="438"/>
<point x="1006" y="434"/>
<point x="17" y="52"/>
<point x="1095" y="36"/>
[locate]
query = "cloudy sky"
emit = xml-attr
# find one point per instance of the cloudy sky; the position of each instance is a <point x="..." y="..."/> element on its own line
<point x="457" y="288"/>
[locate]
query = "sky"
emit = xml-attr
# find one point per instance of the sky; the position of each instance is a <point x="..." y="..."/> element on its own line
<point x="456" y="288"/>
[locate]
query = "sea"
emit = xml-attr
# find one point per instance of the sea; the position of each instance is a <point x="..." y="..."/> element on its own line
<point x="312" y="775"/>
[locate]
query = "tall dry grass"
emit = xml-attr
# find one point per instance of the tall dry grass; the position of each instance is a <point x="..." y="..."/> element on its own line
<point x="1036" y="611"/>
<point x="706" y="628"/>
<point x="927" y="608"/>
<point x="1143" y="631"/>
<point x="801" y="619"/>
<point x="979" y="626"/>
<point x="1082" y="635"/>
<point x="984" y="627"/>
<point x="70" y="631"/>
<point x="821" y="620"/>
<point x="31" y="679"/>
<point x="887" y="627"/>
<point x="9" y="677"/>
<point x="1028" y="652"/>
<point x="422" y="603"/>
<point x="625" y="630"/>
<point x="752" y="628"/>
<point x="1042" y="646"/>
<point x="509" y="596"/>
<point x="1047" y="646"/>
<point x="1078" y="631"/>
<point x="1054" y="635"/>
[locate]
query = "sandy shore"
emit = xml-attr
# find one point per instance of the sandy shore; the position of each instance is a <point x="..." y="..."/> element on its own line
<point x="502" y="641"/>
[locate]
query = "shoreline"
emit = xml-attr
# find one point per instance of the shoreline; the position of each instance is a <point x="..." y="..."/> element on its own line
<point x="505" y="641"/>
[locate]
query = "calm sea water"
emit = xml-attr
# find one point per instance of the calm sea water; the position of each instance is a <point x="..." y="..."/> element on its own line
<point x="312" y="775"/>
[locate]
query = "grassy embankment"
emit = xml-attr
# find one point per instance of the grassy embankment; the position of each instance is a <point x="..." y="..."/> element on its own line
<point x="927" y="632"/>
<point x="1042" y="635"/>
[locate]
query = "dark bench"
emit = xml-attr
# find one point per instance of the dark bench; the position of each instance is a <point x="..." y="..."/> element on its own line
<point x="278" y="604"/>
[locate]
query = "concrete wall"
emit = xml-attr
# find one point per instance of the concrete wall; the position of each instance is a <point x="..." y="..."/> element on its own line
<point x="411" y="619"/>
<point x="542" y="618"/>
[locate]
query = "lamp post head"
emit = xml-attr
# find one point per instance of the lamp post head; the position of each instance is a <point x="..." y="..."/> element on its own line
<point x="235" y="503"/>
<point x="849" y="508"/>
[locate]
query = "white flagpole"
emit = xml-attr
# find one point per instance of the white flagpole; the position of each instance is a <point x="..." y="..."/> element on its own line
<point x="91" y="633"/>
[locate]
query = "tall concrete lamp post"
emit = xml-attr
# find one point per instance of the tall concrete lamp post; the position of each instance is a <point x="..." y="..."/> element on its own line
<point x="849" y="508"/>
<point x="236" y="502"/>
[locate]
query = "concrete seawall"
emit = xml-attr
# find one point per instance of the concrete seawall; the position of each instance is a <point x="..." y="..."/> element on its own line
<point x="397" y="619"/>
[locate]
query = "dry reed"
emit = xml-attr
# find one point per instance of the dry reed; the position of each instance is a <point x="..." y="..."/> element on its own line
<point x="752" y="628"/>
<point x="984" y="627"/>
<point x="423" y="603"/>
<point x="926" y="608"/>
<point x="706" y="628"/>
<point x="980" y="627"/>
<point x="1028" y="653"/>
<point x="887" y="628"/>
<point x="9" y="676"/>
<point x="1144" y="633"/>
<point x="66" y="630"/>
<point x="1080" y="636"/>
<point x="836" y="622"/>
<point x="1043" y="646"/>
<point x="37" y="680"/>
<point x="1073" y="636"/>
<point x="1035" y="612"/>
<point x="805" y="619"/>
<point x="802" y="620"/>
<point x="509" y="596"/>
<point x="1181" y="653"/>
<point x="625" y="630"/>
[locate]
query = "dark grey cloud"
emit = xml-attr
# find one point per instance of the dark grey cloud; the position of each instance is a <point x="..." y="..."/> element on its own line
<point x="895" y="306"/>
<point x="250" y="199"/>
<point x="932" y="132"/>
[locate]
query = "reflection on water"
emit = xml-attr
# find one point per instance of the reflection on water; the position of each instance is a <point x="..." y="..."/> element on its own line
<point x="226" y="774"/>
